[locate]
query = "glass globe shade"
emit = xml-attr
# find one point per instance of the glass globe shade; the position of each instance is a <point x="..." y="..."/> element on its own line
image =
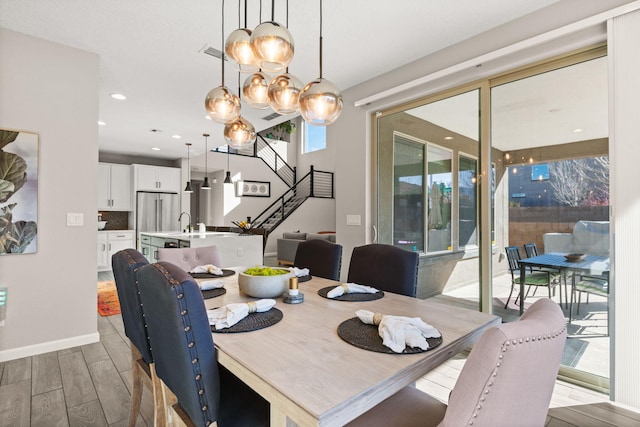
<point x="284" y="93"/>
<point x="239" y="134"/>
<point x="238" y="47"/>
<point x="256" y="91"/>
<point x="320" y="102"/>
<point x="222" y="105"/>
<point x="273" y="46"/>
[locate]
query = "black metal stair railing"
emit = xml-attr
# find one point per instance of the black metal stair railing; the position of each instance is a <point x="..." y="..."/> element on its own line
<point x="313" y="184"/>
<point x="269" y="156"/>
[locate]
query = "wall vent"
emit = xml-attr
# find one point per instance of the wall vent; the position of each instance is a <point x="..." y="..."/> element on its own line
<point x="211" y="51"/>
<point x="271" y="116"/>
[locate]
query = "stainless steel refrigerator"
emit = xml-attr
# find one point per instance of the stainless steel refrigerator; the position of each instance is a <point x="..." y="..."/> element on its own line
<point x="157" y="212"/>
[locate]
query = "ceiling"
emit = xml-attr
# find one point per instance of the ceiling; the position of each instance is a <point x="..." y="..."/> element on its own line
<point x="151" y="51"/>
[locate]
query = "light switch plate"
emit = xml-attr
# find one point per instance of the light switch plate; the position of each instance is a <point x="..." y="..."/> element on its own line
<point x="353" y="219"/>
<point x="75" y="219"/>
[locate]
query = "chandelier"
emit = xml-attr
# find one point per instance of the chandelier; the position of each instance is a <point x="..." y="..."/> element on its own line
<point x="269" y="48"/>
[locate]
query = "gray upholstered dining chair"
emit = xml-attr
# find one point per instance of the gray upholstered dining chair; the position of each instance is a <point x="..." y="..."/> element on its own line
<point x="507" y="380"/>
<point x="321" y="257"/>
<point x="125" y="264"/>
<point x="185" y="356"/>
<point x="188" y="258"/>
<point x="385" y="267"/>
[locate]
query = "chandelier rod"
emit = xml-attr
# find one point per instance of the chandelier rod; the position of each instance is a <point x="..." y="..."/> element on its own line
<point x="320" y="39"/>
<point x="273" y="5"/>
<point x="222" y="49"/>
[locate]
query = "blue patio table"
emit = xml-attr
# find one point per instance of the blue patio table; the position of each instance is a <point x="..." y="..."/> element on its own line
<point x="591" y="264"/>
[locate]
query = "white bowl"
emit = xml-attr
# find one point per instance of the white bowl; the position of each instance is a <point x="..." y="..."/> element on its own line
<point x="264" y="286"/>
<point x="101" y="225"/>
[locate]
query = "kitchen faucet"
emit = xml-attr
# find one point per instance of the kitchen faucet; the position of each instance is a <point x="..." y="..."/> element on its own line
<point x="189" y="224"/>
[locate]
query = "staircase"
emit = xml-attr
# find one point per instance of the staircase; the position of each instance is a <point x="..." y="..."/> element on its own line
<point x="264" y="151"/>
<point x="314" y="184"/>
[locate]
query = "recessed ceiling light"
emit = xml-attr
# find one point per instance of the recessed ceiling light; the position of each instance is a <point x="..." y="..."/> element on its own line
<point x="448" y="138"/>
<point x="101" y="123"/>
<point x="118" y="96"/>
<point x="176" y="136"/>
<point x="155" y="149"/>
<point x="577" y="130"/>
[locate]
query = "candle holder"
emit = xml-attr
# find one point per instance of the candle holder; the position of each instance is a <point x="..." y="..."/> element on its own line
<point x="293" y="295"/>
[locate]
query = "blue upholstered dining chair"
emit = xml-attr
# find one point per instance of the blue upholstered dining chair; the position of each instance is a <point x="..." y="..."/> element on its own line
<point x="321" y="257"/>
<point x="125" y="264"/>
<point x="385" y="267"/>
<point x="507" y="380"/>
<point x="185" y="356"/>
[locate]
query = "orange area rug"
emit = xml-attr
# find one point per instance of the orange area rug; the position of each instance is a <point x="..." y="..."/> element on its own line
<point x="108" y="303"/>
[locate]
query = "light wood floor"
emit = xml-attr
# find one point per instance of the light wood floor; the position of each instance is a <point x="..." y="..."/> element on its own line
<point x="89" y="386"/>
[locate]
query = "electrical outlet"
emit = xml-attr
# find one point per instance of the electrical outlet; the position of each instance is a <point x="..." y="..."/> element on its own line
<point x="240" y="252"/>
<point x="75" y="219"/>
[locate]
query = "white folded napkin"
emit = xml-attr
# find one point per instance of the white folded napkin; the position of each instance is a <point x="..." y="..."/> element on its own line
<point x="397" y="332"/>
<point x="230" y="314"/>
<point x="207" y="268"/>
<point x="299" y="272"/>
<point x="350" y="288"/>
<point x="207" y="285"/>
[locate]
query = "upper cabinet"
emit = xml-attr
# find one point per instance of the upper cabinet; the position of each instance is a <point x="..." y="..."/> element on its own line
<point x="157" y="178"/>
<point x="114" y="187"/>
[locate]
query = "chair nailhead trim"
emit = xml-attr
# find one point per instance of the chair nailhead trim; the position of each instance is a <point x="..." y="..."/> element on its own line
<point x="204" y="408"/>
<point x="194" y="361"/>
<point x="201" y="392"/>
<point x="183" y="312"/>
<point x="198" y="377"/>
<point x="191" y="344"/>
<point x="180" y="296"/>
<point x="187" y="328"/>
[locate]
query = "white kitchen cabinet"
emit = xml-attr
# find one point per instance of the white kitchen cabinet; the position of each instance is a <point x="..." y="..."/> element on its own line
<point x="114" y="187"/>
<point x="157" y="178"/>
<point x="110" y="242"/>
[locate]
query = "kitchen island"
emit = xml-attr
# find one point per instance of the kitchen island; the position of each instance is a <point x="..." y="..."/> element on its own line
<point x="234" y="250"/>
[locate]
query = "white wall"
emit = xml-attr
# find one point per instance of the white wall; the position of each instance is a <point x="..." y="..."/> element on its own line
<point x="52" y="90"/>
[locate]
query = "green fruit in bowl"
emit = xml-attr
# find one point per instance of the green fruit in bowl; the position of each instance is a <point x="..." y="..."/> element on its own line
<point x="265" y="271"/>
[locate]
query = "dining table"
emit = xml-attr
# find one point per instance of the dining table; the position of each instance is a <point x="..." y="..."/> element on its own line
<point x="596" y="265"/>
<point x="312" y="377"/>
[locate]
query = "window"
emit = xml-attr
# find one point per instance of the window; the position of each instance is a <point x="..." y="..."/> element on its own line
<point x="314" y="138"/>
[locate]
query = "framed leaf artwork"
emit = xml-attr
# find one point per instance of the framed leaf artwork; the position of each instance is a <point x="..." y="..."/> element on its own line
<point x="18" y="192"/>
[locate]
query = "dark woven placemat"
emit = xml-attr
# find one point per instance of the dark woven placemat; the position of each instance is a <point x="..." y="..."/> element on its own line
<point x="351" y="297"/>
<point x="212" y="293"/>
<point x="253" y="322"/>
<point x="366" y="336"/>
<point x="306" y="278"/>
<point x="225" y="273"/>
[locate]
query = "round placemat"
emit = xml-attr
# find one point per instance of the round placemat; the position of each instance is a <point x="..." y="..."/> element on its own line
<point x="366" y="336"/>
<point x="253" y="322"/>
<point x="212" y="293"/>
<point x="306" y="278"/>
<point x="225" y="273"/>
<point x="351" y="297"/>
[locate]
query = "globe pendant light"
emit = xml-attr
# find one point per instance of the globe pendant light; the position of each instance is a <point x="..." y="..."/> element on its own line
<point x="221" y="104"/>
<point x="284" y="93"/>
<point x="188" y="188"/>
<point x="238" y="46"/>
<point x="273" y="45"/>
<point x="239" y="134"/>
<point x="256" y="91"/>
<point x="205" y="185"/>
<point x="320" y="100"/>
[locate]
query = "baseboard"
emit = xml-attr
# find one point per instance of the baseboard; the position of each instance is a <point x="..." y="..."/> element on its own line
<point x="47" y="347"/>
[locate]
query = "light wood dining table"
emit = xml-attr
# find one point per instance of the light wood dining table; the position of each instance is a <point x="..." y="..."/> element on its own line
<point x="311" y="377"/>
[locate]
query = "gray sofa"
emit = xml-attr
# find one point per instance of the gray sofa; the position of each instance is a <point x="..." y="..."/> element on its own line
<point x="288" y="244"/>
<point x="588" y="237"/>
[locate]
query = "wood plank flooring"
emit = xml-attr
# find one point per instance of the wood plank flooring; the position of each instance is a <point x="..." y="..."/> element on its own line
<point x="90" y="386"/>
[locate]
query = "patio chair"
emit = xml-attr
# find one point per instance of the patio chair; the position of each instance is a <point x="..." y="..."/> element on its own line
<point x="185" y="356"/>
<point x="596" y="285"/>
<point x="321" y="257"/>
<point x="188" y="258"/>
<point x="533" y="278"/>
<point x="125" y="264"/>
<point x="385" y="267"/>
<point x="531" y="250"/>
<point x="507" y="380"/>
